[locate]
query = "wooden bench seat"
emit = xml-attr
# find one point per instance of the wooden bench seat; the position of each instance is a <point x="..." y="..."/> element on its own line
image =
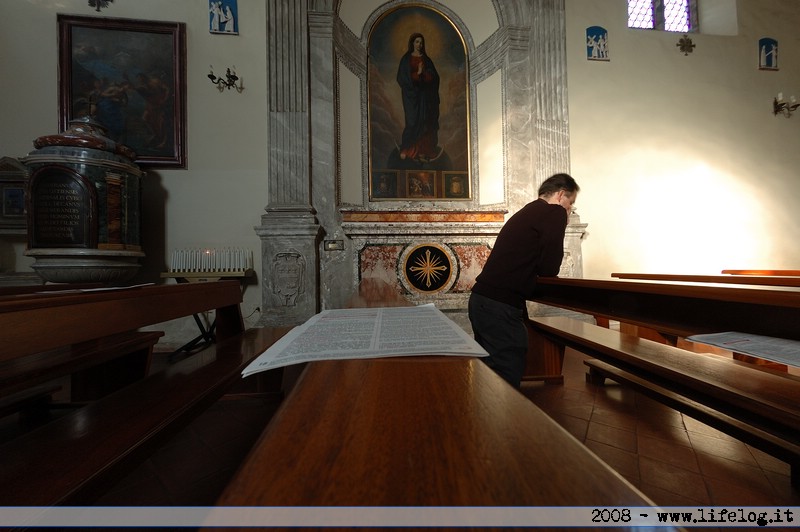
<point x="759" y="406"/>
<point x="73" y="458"/>
<point x="30" y="403"/>
<point x="96" y="367"/>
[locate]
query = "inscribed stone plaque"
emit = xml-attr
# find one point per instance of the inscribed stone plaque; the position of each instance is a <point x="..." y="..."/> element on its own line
<point x="61" y="209"/>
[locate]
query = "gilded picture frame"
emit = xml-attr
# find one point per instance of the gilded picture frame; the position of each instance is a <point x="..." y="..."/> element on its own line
<point x="130" y="76"/>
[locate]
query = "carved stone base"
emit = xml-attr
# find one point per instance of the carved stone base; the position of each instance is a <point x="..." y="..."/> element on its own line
<point x="66" y="265"/>
<point x="289" y="263"/>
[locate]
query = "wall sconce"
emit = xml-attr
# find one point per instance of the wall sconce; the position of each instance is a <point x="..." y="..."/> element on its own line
<point x="229" y="82"/>
<point x="780" y="106"/>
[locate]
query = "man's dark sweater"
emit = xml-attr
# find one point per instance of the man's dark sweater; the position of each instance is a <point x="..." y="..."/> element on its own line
<point x="530" y="244"/>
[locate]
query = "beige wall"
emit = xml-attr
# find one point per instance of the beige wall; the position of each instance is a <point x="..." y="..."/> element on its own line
<point x="682" y="164"/>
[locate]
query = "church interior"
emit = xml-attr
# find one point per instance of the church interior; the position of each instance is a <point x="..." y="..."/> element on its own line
<point x="268" y="145"/>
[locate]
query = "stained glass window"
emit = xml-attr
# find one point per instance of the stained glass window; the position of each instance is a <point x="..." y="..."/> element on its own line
<point x="640" y="14"/>
<point x="668" y="15"/>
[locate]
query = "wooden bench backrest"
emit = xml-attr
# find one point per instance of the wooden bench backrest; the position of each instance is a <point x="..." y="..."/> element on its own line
<point x="32" y="323"/>
<point x="680" y="309"/>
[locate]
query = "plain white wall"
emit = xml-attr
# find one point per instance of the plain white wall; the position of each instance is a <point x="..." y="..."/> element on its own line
<point x="683" y="166"/>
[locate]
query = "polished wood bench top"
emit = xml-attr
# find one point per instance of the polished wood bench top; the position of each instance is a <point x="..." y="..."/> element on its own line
<point x="767" y="280"/>
<point x="78" y="316"/>
<point x="407" y="431"/>
<point x="762" y="272"/>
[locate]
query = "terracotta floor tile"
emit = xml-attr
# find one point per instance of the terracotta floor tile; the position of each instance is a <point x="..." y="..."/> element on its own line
<point x="658" y="414"/>
<point x="693" y="425"/>
<point x="653" y="429"/>
<point x="714" y="467"/>
<point x="769" y="463"/>
<point x="613" y="436"/>
<point x="673" y="479"/>
<point x="575" y="426"/>
<point x="786" y="493"/>
<point x="667" y="451"/>
<point x="665" y="498"/>
<point x="625" y="463"/>
<point x="607" y="416"/>
<point x="726" y="448"/>
<point x="620" y="397"/>
<point x="735" y="493"/>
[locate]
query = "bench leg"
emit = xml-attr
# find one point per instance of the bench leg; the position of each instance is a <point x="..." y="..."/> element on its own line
<point x="545" y="359"/>
<point x="595" y="377"/>
<point x="648" y="334"/>
<point x="100" y="380"/>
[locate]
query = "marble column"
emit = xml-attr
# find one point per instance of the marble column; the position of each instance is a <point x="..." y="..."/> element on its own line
<point x="289" y="229"/>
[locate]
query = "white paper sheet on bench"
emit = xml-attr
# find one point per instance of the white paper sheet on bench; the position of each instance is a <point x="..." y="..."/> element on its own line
<point x="369" y="333"/>
<point x="766" y="347"/>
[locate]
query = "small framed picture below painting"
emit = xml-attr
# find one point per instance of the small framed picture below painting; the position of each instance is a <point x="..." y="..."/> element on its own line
<point x="13" y="211"/>
<point x="223" y="17"/>
<point x="130" y="76"/>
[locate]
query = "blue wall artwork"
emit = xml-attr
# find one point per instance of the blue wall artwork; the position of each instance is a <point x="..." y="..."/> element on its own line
<point x="223" y="17"/>
<point x="767" y="54"/>
<point x="597" y="43"/>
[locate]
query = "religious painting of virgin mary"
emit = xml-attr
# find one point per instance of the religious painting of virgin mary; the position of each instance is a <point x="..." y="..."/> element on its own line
<point x="418" y="101"/>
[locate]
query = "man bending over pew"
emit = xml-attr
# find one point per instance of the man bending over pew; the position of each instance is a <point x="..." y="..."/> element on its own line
<point x="530" y="244"/>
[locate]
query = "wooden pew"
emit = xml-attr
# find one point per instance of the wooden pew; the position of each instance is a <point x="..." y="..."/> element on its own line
<point x="679" y="309"/>
<point x="794" y="273"/>
<point x="757" y="405"/>
<point x="74" y="458"/>
<point x="427" y="430"/>
<point x="769" y="280"/>
<point x="96" y="367"/>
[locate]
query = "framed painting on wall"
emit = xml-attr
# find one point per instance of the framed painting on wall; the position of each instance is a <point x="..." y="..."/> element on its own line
<point x="130" y="76"/>
<point x="418" y="109"/>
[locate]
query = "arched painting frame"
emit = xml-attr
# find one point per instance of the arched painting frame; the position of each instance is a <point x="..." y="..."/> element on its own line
<point x="439" y="171"/>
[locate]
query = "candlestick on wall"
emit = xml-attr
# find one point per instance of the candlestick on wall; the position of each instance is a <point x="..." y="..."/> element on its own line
<point x="779" y="106"/>
<point x="229" y="82"/>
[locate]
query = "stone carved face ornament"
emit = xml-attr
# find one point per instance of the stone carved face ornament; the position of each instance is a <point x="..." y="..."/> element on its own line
<point x="288" y="274"/>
